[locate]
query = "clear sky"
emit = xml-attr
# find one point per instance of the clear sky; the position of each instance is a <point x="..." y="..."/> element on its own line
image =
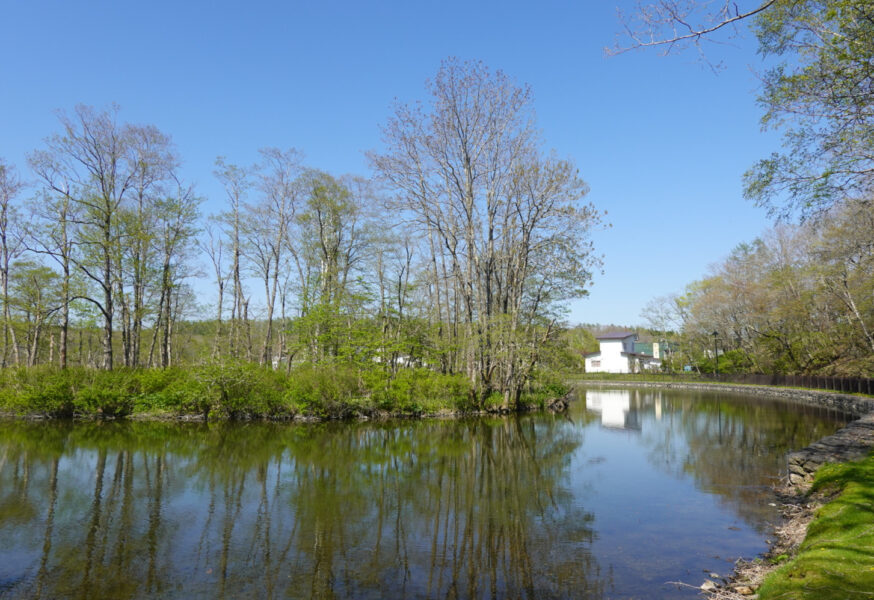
<point x="662" y="142"/>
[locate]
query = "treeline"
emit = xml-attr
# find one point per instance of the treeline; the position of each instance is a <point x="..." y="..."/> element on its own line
<point x="457" y="257"/>
<point x="798" y="300"/>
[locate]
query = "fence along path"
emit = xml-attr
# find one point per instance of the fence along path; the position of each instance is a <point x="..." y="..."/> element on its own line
<point x="850" y="385"/>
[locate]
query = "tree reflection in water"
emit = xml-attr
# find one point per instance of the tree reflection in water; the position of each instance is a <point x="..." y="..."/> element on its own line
<point x="448" y="509"/>
<point x="502" y="507"/>
<point x="733" y="446"/>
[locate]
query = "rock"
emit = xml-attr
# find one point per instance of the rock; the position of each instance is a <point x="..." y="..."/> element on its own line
<point x="708" y="586"/>
<point x="559" y="404"/>
<point x="714" y="576"/>
<point x="744" y="590"/>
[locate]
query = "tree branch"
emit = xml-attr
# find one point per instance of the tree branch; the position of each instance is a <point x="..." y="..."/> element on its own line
<point x="669" y="13"/>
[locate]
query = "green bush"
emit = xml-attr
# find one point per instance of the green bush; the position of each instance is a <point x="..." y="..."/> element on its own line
<point x="241" y="390"/>
<point x="50" y="393"/>
<point x="447" y="391"/>
<point x="169" y="390"/>
<point x="109" y="394"/>
<point x="543" y="387"/>
<point x="325" y="391"/>
<point x="104" y="401"/>
<point x="417" y="391"/>
<point x="236" y="389"/>
<point x="44" y="391"/>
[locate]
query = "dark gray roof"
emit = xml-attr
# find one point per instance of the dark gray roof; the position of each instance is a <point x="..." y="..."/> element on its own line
<point x="615" y="335"/>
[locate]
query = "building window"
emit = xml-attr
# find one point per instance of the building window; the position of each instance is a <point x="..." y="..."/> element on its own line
<point x="596" y="363"/>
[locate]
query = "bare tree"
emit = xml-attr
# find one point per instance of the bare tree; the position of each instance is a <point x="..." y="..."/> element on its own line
<point x="267" y="227"/>
<point x="213" y="247"/>
<point x="236" y="181"/>
<point x="10" y="247"/>
<point x="508" y="223"/>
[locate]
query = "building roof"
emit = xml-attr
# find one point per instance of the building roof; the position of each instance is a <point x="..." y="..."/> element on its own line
<point x="615" y="335"/>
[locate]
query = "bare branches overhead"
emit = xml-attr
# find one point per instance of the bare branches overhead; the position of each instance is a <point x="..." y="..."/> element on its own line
<point x="673" y="25"/>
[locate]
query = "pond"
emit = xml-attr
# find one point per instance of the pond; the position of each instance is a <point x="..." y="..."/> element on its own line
<point x="626" y="492"/>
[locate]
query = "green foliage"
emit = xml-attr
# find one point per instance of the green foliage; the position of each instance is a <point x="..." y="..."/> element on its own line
<point x="233" y="390"/>
<point x="104" y="401"/>
<point x="324" y="391"/>
<point x="730" y="361"/>
<point x="238" y="390"/>
<point x="419" y="390"/>
<point x="544" y="386"/>
<point x="41" y="391"/>
<point x="170" y="391"/>
<point x="821" y="96"/>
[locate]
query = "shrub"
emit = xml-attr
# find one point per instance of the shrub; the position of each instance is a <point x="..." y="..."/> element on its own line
<point x="236" y="389"/>
<point x="50" y="393"/>
<point x="325" y="391"/>
<point x="109" y="394"/>
<point x="106" y="401"/>
<point x="46" y="391"/>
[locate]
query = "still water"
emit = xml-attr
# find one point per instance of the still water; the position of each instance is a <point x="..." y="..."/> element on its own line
<point x="626" y="492"/>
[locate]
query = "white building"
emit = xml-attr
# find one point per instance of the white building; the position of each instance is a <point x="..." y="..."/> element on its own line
<point x="617" y="355"/>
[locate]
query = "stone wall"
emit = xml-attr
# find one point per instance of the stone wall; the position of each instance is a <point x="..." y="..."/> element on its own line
<point x="848" y="403"/>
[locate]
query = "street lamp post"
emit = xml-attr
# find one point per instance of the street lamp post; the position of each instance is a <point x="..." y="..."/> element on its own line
<point x="715" y="355"/>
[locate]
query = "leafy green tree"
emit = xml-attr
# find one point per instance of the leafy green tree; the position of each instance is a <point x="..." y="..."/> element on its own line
<point x="843" y="252"/>
<point x="106" y="175"/>
<point x="332" y="235"/>
<point x="796" y="300"/>
<point x="822" y="96"/>
<point x="36" y="296"/>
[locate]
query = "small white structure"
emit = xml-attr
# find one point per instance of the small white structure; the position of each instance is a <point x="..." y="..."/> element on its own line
<point x="617" y="355"/>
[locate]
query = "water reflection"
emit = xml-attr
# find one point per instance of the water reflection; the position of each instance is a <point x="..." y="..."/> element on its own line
<point x="614" y="408"/>
<point x="732" y="446"/>
<point x="530" y="507"/>
<point x="428" y="509"/>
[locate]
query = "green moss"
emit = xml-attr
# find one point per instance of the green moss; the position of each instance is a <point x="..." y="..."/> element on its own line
<point x="836" y="559"/>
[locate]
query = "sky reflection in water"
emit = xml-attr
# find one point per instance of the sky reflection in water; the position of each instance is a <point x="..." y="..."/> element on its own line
<point x="628" y="491"/>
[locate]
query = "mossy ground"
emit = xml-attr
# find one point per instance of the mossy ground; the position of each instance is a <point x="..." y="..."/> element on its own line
<point x="836" y="559"/>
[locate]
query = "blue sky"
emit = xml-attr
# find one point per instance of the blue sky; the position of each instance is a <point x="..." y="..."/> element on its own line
<point x="662" y="141"/>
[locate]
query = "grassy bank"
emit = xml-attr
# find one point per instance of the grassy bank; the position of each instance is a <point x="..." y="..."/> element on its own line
<point x="836" y="559"/>
<point x="239" y="390"/>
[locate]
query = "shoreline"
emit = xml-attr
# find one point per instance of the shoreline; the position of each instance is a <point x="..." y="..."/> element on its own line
<point x="797" y="505"/>
<point x="553" y="405"/>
